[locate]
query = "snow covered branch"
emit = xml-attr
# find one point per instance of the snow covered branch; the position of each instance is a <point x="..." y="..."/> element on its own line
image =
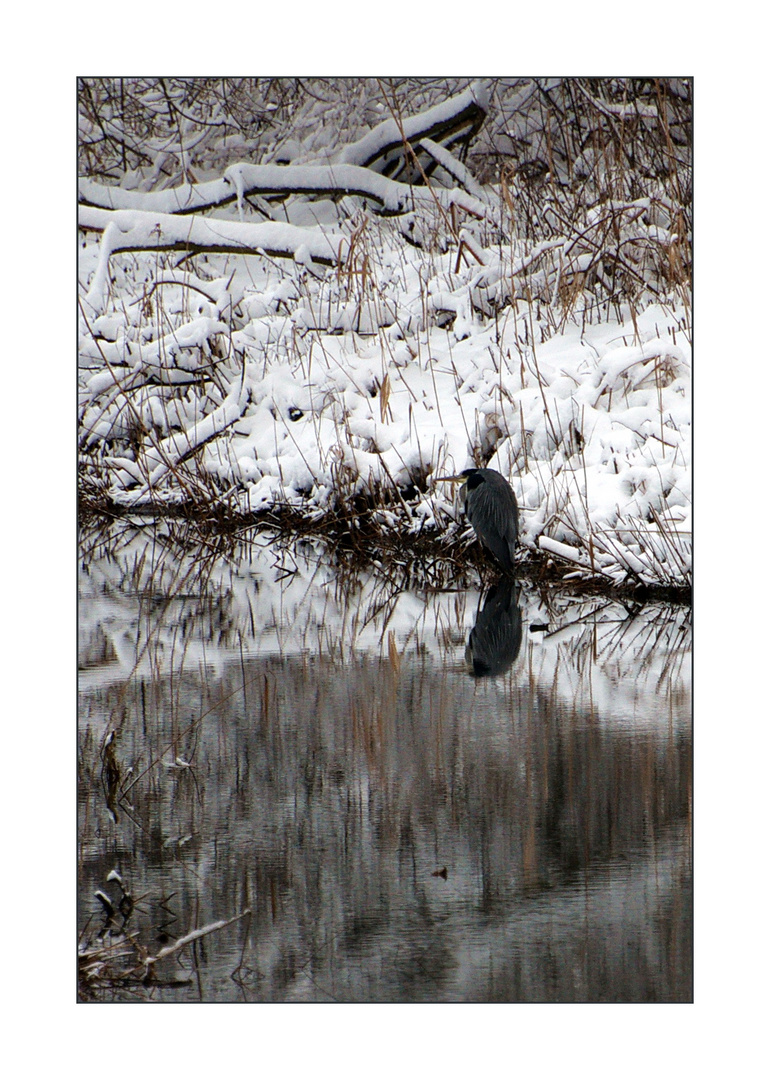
<point x="163" y="457"/>
<point x="453" y="121"/>
<point x="455" y="168"/>
<point x="138" y="230"/>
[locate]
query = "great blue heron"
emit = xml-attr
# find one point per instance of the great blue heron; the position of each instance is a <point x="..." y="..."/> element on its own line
<point x="491" y="508"/>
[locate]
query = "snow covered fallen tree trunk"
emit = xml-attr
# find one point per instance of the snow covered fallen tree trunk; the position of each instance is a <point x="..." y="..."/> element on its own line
<point x="242" y="180"/>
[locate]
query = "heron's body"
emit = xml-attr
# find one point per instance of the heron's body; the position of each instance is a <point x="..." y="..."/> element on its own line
<point x="491" y="508"/>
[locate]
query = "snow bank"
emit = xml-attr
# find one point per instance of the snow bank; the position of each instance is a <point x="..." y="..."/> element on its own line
<point x="438" y="338"/>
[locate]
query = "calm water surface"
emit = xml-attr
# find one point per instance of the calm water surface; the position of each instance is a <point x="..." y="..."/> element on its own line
<point x="383" y="794"/>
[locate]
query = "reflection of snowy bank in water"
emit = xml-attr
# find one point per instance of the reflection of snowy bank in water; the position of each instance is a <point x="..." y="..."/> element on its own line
<point x="150" y="605"/>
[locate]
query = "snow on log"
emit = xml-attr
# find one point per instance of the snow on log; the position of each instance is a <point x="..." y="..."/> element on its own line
<point x="394" y="197"/>
<point x="574" y="555"/>
<point x="244" y="179"/>
<point x="453" y="121"/>
<point x="138" y="230"/>
<point x="185" y="199"/>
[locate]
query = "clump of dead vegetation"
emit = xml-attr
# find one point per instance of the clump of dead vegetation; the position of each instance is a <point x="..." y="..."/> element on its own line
<point x="118" y="962"/>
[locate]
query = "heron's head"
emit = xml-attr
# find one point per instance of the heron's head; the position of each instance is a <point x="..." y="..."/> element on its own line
<point x="472" y="478"/>
<point x="464" y="475"/>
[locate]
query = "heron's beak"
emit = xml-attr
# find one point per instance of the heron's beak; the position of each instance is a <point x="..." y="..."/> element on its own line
<point x="451" y="479"/>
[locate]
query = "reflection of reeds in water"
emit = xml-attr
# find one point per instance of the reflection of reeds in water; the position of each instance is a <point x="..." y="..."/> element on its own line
<point x="321" y="803"/>
<point x="640" y="653"/>
<point x="321" y="770"/>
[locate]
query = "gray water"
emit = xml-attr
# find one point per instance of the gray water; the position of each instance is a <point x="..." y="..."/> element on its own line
<point x="384" y="793"/>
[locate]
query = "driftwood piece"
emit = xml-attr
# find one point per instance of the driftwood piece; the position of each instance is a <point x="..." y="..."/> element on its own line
<point x="137" y="230"/>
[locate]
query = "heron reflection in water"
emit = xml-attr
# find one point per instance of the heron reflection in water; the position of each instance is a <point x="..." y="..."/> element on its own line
<point x="495" y="640"/>
<point x="490" y="506"/>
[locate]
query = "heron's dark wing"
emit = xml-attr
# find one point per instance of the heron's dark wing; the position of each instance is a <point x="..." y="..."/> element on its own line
<point x="492" y="510"/>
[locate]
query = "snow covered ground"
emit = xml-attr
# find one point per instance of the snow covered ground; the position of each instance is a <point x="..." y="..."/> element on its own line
<point x="259" y="379"/>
